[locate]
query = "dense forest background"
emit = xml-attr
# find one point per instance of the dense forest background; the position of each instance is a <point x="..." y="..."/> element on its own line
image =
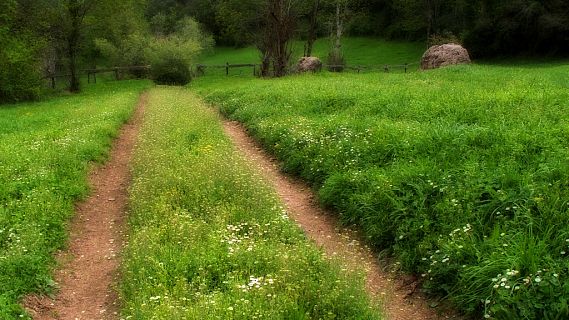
<point x="486" y="27"/>
<point x="42" y="37"/>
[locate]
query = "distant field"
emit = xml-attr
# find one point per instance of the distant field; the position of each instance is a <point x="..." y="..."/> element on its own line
<point x="461" y="173"/>
<point x="357" y="51"/>
<point x="45" y="150"/>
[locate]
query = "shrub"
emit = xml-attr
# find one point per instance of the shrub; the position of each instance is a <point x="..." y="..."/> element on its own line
<point x="171" y="56"/>
<point x="19" y="71"/>
<point x="171" y="71"/>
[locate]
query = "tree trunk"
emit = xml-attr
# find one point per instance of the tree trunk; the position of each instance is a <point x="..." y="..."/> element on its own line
<point x="339" y="29"/>
<point x="312" y="31"/>
<point x="76" y="12"/>
<point x="72" y="44"/>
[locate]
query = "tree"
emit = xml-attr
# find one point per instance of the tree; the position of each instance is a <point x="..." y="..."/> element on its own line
<point x="312" y="29"/>
<point x="336" y="57"/>
<point x="73" y="13"/>
<point x="278" y="31"/>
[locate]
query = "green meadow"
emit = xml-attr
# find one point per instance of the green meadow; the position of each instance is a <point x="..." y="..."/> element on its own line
<point x="460" y="173"/>
<point x="357" y="51"/>
<point x="45" y="152"/>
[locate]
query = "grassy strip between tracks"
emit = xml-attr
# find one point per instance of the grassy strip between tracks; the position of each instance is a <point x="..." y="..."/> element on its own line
<point x="209" y="240"/>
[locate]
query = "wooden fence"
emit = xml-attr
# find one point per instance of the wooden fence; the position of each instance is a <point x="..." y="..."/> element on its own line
<point x="200" y="69"/>
<point x="92" y="73"/>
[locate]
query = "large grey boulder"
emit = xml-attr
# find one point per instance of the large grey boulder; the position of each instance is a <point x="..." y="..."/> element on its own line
<point x="444" y="55"/>
<point x="306" y="64"/>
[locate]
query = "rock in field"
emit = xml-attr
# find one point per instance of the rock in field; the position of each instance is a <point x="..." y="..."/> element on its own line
<point x="306" y="64"/>
<point x="444" y="55"/>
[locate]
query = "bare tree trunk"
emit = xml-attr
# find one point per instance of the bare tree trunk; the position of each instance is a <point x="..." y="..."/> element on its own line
<point x="312" y="31"/>
<point x="72" y="50"/>
<point x="335" y="57"/>
<point x="76" y="12"/>
<point x="339" y="29"/>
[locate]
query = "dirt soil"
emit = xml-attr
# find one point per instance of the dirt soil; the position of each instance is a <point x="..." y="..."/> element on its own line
<point x="89" y="267"/>
<point x="398" y="294"/>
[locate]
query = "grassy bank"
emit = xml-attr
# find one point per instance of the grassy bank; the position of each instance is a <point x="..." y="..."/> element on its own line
<point x="357" y="51"/>
<point x="45" y="151"/>
<point x="208" y="239"/>
<point x="461" y="173"/>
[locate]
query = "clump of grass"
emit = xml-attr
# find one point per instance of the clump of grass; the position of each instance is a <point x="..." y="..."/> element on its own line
<point x="461" y="173"/>
<point x="45" y="151"/>
<point x="209" y="240"/>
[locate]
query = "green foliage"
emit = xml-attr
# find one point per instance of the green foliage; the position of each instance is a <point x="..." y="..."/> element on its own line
<point x="131" y="51"/>
<point x="209" y="239"/>
<point x="171" y="56"/>
<point x="171" y="71"/>
<point x="239" y="20"/>
<point x="19" y="69"/>
<point x="19" y="65"/>
<point x="461" y="173"/>
<point x="44" y="155"/>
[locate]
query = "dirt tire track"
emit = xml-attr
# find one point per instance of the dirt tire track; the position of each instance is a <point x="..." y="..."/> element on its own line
<point x="398" y="296"/>
<point x="89" y="266"/>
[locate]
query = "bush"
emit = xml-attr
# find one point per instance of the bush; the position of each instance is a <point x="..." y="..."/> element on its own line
<point x="171" y="71"/>
<point x="171" y="56"/>
<point x="19" y="72"/>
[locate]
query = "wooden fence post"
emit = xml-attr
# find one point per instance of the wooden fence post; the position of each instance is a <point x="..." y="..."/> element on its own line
<point x="117" y="73"/>
<point x="406" y="64"/>
<point x="227" y="68"/>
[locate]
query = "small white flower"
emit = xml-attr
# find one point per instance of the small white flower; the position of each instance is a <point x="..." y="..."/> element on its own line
<point x="538" y="279"/>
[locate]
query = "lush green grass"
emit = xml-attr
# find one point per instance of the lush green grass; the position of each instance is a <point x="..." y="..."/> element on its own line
<point x="45" y="150"/>
<point x="462" y="173"/>
<point x="209" y="240"/>
<point x="357" y="51"/>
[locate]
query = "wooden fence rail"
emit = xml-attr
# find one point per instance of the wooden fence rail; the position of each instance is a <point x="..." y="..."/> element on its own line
<point x="92" y="73"/>
<point x="200" y="69"/>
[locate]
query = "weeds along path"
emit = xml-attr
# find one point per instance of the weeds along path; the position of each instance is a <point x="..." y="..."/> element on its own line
<point x="90" y="264"/>
<point x="400" y="302"/>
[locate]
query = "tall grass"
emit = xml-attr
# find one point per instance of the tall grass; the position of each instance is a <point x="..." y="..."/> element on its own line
<point x="209" y="240"/>
<point x="45" y="151"/>
<point x="461" y="173"/>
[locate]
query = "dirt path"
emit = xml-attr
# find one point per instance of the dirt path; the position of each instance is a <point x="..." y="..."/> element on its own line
<point x="90" y="264"/>
<point x="400" y="300"/>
